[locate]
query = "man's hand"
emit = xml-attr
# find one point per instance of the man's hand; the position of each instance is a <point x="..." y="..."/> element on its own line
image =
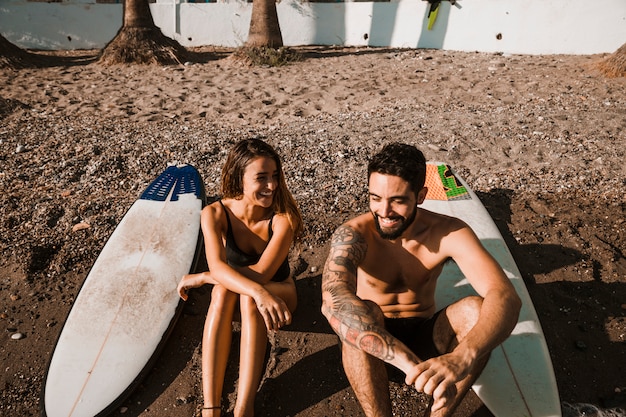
<point x="437" y="377"/>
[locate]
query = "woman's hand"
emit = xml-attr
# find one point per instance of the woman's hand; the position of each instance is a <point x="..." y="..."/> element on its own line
<point x="190" y="281"/>
<point x="273" y="310"/>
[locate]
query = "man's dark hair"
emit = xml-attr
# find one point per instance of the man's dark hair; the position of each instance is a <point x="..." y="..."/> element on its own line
<point x="400" y="160"/>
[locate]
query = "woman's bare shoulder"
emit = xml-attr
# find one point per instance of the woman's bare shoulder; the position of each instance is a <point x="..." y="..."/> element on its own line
<point x="280" y="221"/>
<point x="214" y="213"/>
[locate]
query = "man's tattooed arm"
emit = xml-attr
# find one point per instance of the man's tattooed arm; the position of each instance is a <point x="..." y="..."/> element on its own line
<point x="355" y="321"/>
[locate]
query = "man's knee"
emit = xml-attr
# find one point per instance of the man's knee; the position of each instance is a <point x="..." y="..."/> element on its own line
<point x="469" y="308"/>
<point x="458" y="320"/>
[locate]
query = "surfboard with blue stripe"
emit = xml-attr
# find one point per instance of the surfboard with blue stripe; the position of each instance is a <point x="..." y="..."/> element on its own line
<point x="128" y="303"/>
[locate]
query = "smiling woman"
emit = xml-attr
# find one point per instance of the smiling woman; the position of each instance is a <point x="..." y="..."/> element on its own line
<point x="247" y="235"/>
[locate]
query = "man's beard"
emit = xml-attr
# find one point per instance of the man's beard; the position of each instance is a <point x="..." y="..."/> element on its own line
<point x="396" y="233"/>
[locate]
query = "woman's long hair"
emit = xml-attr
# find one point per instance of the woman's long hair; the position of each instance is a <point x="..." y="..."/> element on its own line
<point x="238" y="159"/>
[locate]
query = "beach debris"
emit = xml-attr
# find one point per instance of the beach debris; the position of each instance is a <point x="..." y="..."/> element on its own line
<point x="80" y="226"/>
<point x="435" y="147"/>
<point x="17" y="336"/>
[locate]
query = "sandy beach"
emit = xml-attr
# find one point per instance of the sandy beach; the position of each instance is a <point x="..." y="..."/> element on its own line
<point x="541" y="139"/>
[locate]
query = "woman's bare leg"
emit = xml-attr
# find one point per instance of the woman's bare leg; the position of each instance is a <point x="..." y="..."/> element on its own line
<point x="216" y="341"/>
<point x="252" y="353"/>
<point x="254" y="344"/>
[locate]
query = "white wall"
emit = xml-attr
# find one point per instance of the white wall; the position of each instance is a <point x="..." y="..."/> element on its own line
<point x="524" y="26"/>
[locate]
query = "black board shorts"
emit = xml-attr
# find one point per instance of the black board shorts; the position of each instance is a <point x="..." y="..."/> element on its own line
<point x="416" y="333"/>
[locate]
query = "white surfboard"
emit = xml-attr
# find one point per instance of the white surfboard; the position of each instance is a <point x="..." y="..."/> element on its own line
<point x="128" y="303"/>
<point x="518" y="380"/>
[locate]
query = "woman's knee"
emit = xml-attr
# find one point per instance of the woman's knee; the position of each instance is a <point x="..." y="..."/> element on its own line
<point x="248" y="306"/>
<point x="290" y="295"/>
<point x="221" y="297"/>
<point x="286" y="291"/>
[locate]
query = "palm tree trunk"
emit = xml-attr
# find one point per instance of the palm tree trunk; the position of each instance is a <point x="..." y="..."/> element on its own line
<point x="137" y="14"/>
<point x="264" y="26"/>
<point x="140" y="41"/>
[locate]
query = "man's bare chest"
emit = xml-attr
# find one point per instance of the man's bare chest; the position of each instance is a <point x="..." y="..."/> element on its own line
<point x="398" y="268"/>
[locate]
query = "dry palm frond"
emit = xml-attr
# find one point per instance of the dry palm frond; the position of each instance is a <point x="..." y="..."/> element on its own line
<point x="265" y="56"/>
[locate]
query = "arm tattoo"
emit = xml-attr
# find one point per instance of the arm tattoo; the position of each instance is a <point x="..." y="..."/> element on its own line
<point x="348" y="248"/>
<point x="354" y="321"/>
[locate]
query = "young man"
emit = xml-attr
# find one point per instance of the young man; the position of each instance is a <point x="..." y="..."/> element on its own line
<point x="378" y="292"/>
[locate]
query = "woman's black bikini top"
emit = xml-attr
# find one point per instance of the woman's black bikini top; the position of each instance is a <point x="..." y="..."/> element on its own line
<point x="237" y="257"/>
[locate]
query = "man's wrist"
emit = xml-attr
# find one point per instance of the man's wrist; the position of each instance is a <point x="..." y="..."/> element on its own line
<point x="467" y="353"/>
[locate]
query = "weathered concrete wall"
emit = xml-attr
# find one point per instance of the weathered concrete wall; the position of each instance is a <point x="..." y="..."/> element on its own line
<point x="509" y="26"/>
